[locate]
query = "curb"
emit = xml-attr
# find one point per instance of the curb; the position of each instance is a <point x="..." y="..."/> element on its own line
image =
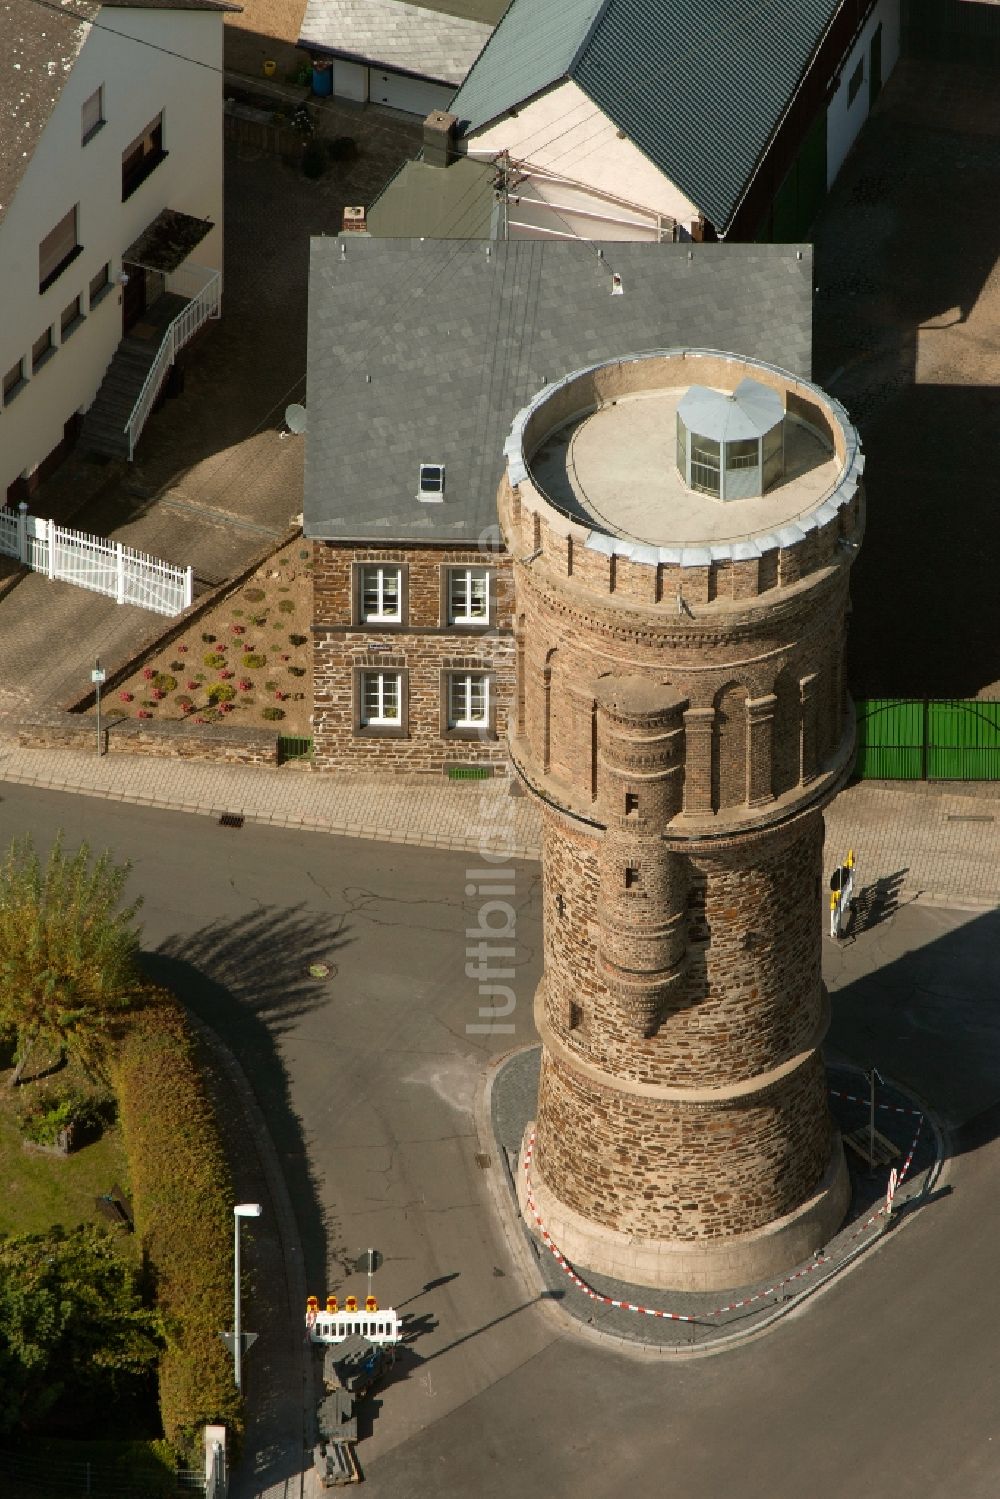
<point x="516" y="1235"/>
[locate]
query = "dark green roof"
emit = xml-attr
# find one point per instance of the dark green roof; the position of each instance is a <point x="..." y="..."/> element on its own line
<point x="700" y="86"/>
<point x="424" y="202"/>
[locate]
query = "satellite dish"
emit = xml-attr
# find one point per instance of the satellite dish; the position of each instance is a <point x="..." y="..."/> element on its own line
<point x="295" y="419"/>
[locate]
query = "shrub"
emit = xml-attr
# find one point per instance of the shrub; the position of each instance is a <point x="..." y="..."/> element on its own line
<point x="208" y="638"/>
<point x="287" y="606"/>
<point x="270" y="686"/>
<point x="298" y="639"/>
<point x="259" y="619"/>
<point x="238" y="613"/>
<point x="248" y="702"/>
<point x="304" y="553"/>
<point x="183" y="701"/>
<point x="254" y="659"/>
<point x="297" y="671"/>
<point x="271" y="714"/>
<point x="49" y="1113"/>
<point x="253" y="595"/>
<point x="164" y="681"/>
<point x="313" y="160"/>
<point x="342" y="148"/>
<point x="214" y="659"/>
<point x="182" y="1200"/>
<point x="221" y="692"/>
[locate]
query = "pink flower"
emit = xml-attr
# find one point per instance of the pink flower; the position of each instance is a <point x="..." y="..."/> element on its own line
<point x="286" y="658"/>
<point x="188" y="707"/>
<point x="145" y="713"/>
<point x="193" y="686"/>
<point x="182" y="647"/>
<point x="239" y="629"/>
<point x="227" y="707"/>
<point x="220" y="645"/>
<point x="225" y="675"/>
<point x="159" y="694"/>
<point x="281" y="696"/>
<point x="245" y="684"/>
<point x="148" y="673"/>
<point x="126" y="697"/>
<point x="201" y="720"/>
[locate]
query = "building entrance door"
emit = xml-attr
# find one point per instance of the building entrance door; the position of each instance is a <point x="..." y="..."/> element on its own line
<point x="133" y="295"/>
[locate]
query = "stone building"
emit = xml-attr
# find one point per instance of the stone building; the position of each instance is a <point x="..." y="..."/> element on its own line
<point x="683" y="525"/>
<point x="420" y="355"/>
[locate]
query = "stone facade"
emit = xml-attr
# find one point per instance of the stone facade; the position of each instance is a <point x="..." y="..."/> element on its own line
<point x="681" y="714"/>
<point x="424" y="648"/>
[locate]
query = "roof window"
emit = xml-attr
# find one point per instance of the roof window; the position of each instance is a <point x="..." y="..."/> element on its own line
<point x="431" y="482"/>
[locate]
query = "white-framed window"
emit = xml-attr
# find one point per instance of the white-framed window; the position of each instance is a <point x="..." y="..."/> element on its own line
<point x="468" y="700"/>
<point x="468" y="596"/>
<point x="431" y="482"/>
<point x="381" y="594"/>
<point x="382" y="698"/>
<point x="92" y="115"/>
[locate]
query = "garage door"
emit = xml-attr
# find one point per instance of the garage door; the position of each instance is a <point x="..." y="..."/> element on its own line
<point x="415" y="95"/>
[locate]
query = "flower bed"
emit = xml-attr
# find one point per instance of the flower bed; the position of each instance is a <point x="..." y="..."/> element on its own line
<point x="248" y="662"/>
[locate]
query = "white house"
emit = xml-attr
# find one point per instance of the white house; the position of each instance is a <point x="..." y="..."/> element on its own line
<point x="409" y="55"/>
<point x="649" y="119"/>
<point x="110" y="175"/>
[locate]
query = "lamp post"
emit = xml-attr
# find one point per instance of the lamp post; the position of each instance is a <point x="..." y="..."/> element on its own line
<point x="241" y="1210"/>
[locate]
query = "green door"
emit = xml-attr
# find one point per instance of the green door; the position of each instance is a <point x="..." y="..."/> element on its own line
<point x="890" y="739"/>
<point x="875" y="66"/>
<point x="800" y="196"/>
<point x="963" y="741"/>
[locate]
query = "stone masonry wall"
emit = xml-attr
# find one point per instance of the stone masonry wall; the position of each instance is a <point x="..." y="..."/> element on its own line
<point x="659" y="1169"/>
<point x="423" y="647"/>
<point x="750" y="995"/>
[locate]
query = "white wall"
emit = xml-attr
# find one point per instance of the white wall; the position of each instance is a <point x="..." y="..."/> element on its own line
<point x="564" y="131"/>
<point x="350" y="80"/>
<point x="138" y="82"/>
<point x="843" y="120"/>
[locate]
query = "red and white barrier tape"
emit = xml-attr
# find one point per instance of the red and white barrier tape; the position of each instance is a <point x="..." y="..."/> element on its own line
<point x="731" y="1306"/>
<point x="892" y="1108"/>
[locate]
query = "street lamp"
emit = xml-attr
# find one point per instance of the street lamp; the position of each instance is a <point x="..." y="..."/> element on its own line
<point x="241" y="1210"/>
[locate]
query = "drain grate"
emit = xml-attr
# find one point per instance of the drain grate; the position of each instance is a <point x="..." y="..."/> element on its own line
<point x="231" y="820"/>
<point x="483" y="1161"/>
<point x="967" y="817"/>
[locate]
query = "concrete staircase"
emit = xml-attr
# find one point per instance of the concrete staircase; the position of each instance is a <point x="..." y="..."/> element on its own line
<point x="103" y="429"/>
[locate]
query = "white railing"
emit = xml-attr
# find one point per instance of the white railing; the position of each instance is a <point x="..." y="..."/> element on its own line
<point x="107" y="567"/>
<point x="205" y="304"/>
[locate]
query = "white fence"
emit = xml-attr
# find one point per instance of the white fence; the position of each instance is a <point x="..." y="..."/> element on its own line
<point x="205" y="304"/>
<point x="107" y="567"/>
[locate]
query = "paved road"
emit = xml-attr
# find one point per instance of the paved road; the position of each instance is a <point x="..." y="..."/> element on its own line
<point x="884" y="1386"/>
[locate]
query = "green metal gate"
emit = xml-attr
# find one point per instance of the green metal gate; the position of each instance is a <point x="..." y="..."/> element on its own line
<point x="928" y="739"/>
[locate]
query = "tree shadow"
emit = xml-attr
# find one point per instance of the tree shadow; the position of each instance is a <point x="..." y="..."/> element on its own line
<point x="248" y="979"/>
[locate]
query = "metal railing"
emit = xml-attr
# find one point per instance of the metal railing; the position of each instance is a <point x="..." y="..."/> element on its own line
<point x="205" y="304"/>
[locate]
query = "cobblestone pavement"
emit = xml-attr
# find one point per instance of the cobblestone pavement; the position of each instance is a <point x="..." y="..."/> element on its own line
<point x="937" y="844"/>
<point x="906" y="324"/>
<point x="714" y="1317"/>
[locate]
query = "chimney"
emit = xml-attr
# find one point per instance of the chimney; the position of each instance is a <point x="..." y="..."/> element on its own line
<point x="354" y="221"/>
<point x="439" y="138"/>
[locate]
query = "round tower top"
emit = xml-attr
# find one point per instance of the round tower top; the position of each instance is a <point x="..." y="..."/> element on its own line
<point x="633" y="452"/>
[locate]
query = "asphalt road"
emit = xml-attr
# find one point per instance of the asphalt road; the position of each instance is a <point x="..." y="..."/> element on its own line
<point x="884" y="1385"/>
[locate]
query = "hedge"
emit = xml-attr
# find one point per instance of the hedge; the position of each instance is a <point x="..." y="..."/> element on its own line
<point x="182" y="1201"/>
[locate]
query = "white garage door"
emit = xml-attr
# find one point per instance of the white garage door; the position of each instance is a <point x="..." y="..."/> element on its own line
<point x="415" y="95"/>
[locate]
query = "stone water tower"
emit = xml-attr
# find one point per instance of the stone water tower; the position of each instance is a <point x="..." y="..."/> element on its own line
<point x="683" y="525"/>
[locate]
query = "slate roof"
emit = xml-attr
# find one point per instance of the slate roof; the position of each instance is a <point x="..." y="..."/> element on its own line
<point x="458" y="336"/>
<point x="38" y="48"/>
<point x="422" y="40"/>
<point x="700" y="86"/>
<point x="421" y="201"/>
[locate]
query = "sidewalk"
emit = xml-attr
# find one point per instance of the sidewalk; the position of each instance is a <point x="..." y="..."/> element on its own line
<point x="911" y="841"/>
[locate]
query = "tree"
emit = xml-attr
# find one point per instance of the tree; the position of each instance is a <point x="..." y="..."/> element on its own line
<point x="73" y="1329"/>
<point x="68" y="951"/>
